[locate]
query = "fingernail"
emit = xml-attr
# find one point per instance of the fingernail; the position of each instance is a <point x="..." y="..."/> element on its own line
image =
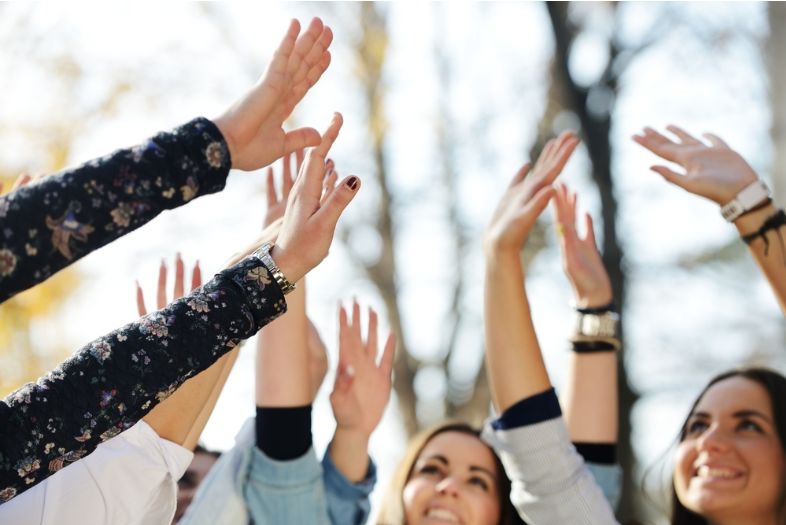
<point x="352" y="182"/>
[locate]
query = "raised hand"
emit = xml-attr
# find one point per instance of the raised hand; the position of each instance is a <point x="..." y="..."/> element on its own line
<point x="713" y="170"/>
<point x="275" y="204"/>
<point x="179" y="289"/>
<point x="580" y="257"/>
<point x="310" y="220"/>
<point x="362" y="387"/>
<point x="253" y="126"/>
<point x="527" y="196"/>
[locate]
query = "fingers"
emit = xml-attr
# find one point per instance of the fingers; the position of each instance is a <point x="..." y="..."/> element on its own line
<point x="658" y="144"/>
<point x="356" y="316"/>
<point x="371" y="337"/>
<point x="140" y="301"/>
<point x="716" y="141"/>
<point x="161" y="295"/>
<point x="288" y="180"/>
<point x="520" y="175"/>
<point x="300" y="138"/>
<point x="539" y="201"/>
<point x="670" y="175"/>
<point x="302" y="46"/>
<point x="22" y="180"/>
<point x="388" y="355"/>
<point x="589" y="231"/>
<point x="299" y="156"/>
<point x="565" y="146"/>
<point x="329" y="184"/>
<point x="314" y="59"/>
<point x="179" y="277"/>
<point x="196" y="276"/>
<point x="270" y="189"/>
<point x="328" y="138"/>
<point x="337" y="201"/>
<point x="684" y="136"/>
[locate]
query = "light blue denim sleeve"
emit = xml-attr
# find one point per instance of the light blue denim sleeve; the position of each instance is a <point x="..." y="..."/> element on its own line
<point x="347" y="502"/>
<point x="291" y="492"/>
<point x="609" y="479"/>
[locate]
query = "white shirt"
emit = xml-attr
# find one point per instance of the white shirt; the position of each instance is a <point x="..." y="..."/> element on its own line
<point x="129" y="479"/>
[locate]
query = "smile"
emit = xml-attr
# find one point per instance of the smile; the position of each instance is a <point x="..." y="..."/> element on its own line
<point x="716" y="473"/>
<point x="442" y="515"/>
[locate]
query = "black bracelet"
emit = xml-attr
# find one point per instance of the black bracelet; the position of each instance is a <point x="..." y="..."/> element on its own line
<point x="598" y="309"/>
<point x="588" y="347"/>
<point x="777" y="220"/>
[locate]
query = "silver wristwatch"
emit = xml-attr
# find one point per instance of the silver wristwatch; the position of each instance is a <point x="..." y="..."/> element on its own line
<point x="263" y="254"/>
<point x="752" y="195"/>
<point x="599" y="326"/>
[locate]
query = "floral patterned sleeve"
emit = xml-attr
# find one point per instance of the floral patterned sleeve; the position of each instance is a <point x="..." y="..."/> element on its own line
<point x="48" y="225"/>
<point x="111" y="383"/>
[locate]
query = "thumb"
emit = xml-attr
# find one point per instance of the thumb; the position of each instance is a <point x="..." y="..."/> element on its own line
<point x="539" y="201"/>
<point x="337" y="201"/>
<point x="300" y="138"/>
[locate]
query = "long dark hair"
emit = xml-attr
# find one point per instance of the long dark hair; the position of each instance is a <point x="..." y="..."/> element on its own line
<point x="392" y="511"/>
<point x="775" y="385"/>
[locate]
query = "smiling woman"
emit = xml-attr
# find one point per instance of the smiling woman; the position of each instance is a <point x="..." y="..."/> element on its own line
<point x="448" y="475"/>
<point x="730" y="462"/>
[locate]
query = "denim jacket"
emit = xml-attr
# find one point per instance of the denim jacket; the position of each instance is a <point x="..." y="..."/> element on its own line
<point x="245" y="486"/>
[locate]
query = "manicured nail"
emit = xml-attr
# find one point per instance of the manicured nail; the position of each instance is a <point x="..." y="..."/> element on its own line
<point x="352" y="182"/>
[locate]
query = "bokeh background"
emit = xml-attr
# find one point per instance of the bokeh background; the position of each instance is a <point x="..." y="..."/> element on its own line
<point x="442" y="103"/>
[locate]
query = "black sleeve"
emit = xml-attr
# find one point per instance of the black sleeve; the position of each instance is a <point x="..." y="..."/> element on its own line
<point x="284" y="433"/>
<point x="52" y="223"/>
<point x="111" y="383"/>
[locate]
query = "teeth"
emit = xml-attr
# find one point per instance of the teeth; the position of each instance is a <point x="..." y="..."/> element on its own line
<point x="442" y="514"/>
<point x="706" y="472"/>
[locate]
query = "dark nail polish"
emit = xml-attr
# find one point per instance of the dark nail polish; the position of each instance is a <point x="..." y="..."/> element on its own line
<point x="352" y="182"/>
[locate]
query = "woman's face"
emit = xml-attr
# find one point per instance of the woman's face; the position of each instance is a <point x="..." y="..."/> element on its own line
<point x="454" y="480"/>
<point x="731" y="462"/>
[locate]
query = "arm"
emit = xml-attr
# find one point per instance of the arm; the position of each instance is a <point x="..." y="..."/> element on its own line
<point x="114" y="381"/>
<point x="549" y="481"/>
<point x="182" y="417"/>
<point x="360" y="394"/>
<point x="718" y="173"/>
<point x="591" y="394"/>
<point x="49" y="225"/>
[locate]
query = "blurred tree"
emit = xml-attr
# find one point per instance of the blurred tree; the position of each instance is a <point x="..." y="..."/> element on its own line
<point x="775" y="49"/>
<point x="593" y="105"/>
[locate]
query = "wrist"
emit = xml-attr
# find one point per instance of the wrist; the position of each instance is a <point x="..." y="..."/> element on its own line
<point x="351" y="438"/>
<point x="287" y="264"/>
<point x="750" y="222"/>
<point x="594" y="300"/>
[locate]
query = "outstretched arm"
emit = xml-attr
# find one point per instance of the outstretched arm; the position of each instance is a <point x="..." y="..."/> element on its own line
<point x="716" y="172"/>
<point x="59" y="220"/>
<point x="143" y="363"/>
<point x="513" y="358"/>
<point x="549" y="481"/>
<point x="361" y="392"/>
<point x="591" y="396"/>
<point x="182" y="417"/>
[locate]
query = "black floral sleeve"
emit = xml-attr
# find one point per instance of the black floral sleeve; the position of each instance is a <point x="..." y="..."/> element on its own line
<point x="114" y="381"/>
<point x="48" y="225"/>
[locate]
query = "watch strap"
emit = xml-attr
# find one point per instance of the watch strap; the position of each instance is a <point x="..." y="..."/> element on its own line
<point x="752" y="195"/>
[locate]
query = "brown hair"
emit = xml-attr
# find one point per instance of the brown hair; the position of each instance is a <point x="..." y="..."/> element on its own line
<point x="392" y="510"/>
<point x="775" y="385"/>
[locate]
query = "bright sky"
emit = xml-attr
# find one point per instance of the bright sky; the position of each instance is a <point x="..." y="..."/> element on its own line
<point x="180" y="60"/>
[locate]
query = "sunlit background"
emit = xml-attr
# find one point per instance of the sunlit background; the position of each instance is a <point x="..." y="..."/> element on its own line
<point x="442" y="103"/>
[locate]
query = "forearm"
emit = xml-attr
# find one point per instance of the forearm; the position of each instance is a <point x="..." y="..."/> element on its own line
<point x="282" y="367"/>
<point x="590" y="400"/>
<point x="61" y="218"/>
<point x="116" y="380"/>
<point x="182" y="417"/>
<point x="349" y="453"/>
<point x="770" y="256"/>
<point x="513" y="358"/>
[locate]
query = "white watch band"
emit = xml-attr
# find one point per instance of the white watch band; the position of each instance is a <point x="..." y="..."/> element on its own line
<point x="751" y="196"/>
